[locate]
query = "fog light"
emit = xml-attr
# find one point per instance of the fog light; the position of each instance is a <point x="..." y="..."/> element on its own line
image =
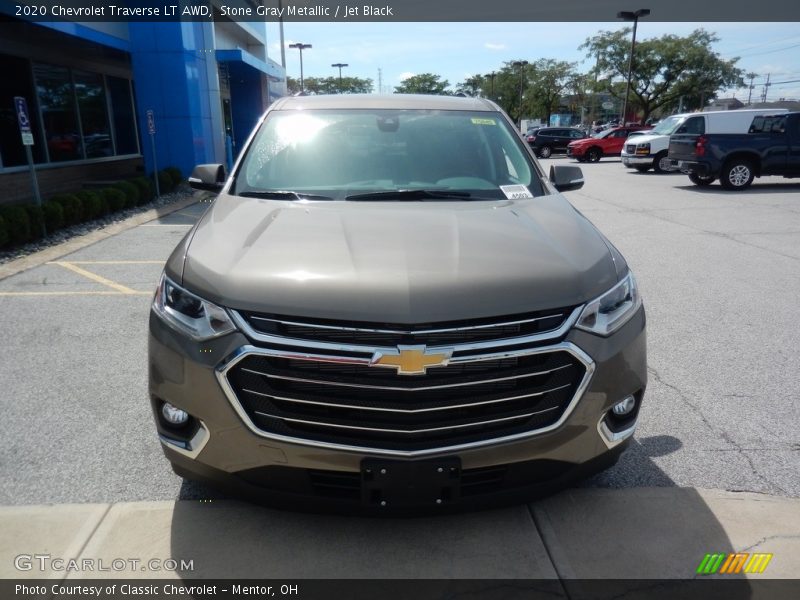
<point x="174" y="415"/>
<point x="624" y="407"/>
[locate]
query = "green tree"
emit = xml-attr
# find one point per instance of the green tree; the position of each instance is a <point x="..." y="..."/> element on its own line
<point x="330" y="85"/>
<point x="550" y="78"/>
<point x="472" y="86"/>
<point x="664" y="69"/>
<point x="425" y="83"/>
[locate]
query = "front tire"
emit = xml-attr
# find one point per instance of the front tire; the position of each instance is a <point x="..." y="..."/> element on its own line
<point x="545" y="152"/>
<point x="593" y="155"/>
<point x="661" y="163"/>
<point x="737" y="174"/>
<point x="701" y="181"/>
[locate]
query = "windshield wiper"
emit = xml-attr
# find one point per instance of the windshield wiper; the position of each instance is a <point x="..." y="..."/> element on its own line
<point x="282" y="195"/>
<point x="410" y="195"/>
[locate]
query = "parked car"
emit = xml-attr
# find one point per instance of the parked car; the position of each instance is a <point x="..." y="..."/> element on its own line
<point x="364" y="318"/>
<point x="605" y="143"/>
<point x="770" y="147"/>
<point x="650" y="151"/>
<point x="553" y="139"/>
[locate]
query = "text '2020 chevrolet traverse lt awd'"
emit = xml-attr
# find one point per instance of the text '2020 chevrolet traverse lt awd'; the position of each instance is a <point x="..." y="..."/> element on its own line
<point x="390" y="306"/>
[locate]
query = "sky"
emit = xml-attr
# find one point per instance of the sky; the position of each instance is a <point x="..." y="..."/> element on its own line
<point x="458" y="50"/>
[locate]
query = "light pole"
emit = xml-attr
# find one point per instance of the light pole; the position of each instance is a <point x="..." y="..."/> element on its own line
<point x="300" y="46"/>
<point x="491" y="76"/>
<point x="521" y="64"/>
<point x="630" y="16"/>
<point x="340" y="65"/>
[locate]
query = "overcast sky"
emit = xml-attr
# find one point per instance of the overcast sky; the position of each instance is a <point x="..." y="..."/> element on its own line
<point x="458" y="50"/>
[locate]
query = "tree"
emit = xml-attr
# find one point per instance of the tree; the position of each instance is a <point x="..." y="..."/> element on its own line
<point x="550" y="79"/>
<point x="425" y="83"/>
<point x="330" y="85"/>
<point x="471" y="86"/>
<point x="664" y="69"/>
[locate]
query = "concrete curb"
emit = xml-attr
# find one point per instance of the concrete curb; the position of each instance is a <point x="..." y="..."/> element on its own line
<point x="77" y="243"/>
<point x="636" y="533"/>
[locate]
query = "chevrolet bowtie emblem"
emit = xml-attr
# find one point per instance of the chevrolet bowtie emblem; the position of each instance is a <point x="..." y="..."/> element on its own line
<point x="411" y="360"/>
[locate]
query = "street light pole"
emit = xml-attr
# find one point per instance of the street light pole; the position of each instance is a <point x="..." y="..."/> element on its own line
<point x="340" y="65"/>
<point x="521" y="64"/>
<point x="300" y="46"/>
<point x="630" y="16"/>
<point x="491" y="76"/>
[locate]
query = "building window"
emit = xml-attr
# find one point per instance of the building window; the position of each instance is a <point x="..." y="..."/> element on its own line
<point x="90" y="92"/>
<point x="57" y="103"/>
<point x="17" y="81"/>
<point x="119" y="91"/>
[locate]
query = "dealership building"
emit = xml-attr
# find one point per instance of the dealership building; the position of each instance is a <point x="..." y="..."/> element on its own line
<point x="91" y="86"/>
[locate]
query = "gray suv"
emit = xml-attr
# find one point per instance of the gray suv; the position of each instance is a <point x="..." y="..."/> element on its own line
<point x="389" y="306"/>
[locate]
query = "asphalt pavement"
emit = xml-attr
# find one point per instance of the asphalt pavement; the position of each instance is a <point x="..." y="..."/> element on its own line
<point x="718" y="273"/>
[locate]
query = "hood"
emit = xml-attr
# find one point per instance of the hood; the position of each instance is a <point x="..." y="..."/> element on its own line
<point x="396" y="262"/>
<point x="583" y="141"/>
<point x="646" y="138"/>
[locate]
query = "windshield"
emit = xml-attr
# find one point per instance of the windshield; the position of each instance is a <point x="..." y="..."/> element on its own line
<point x="603" y="134"/>
<point x="667" y="126"/>
<point x="336" y="154"/>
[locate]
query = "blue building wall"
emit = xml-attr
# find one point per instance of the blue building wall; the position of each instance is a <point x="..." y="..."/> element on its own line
<point x="172" y="74"/>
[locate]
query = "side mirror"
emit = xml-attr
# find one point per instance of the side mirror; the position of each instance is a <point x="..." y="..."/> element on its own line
<point x="210" y="178"/>
<point x="566" y="178"/>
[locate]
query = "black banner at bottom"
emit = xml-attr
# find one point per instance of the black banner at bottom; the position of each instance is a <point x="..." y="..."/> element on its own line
<point x="405" y="589"/>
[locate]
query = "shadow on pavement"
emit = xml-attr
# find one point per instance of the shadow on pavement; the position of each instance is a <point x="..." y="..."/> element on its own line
<point x="638" y="537"/>
<point x="754" y="190"/>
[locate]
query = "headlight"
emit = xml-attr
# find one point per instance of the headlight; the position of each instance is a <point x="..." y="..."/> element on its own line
<point x="642" y="148"/>
<point x="190" y="314"/>
<point x="609" y="312"/>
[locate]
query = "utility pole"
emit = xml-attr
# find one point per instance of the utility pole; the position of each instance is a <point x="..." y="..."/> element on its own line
<point x="521" y="64"/>
<point x="630" y="16"/>
<point x="300" y="46"/>
<point x="380" y="80"/>
<point x="751" y="76"/>
<point x="283" y="44"/>
<point x="491" y="76"/>
<point x="766" y="88"/>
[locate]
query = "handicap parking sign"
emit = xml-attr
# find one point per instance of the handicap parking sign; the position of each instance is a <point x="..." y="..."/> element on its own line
<point x="21" y="106"/>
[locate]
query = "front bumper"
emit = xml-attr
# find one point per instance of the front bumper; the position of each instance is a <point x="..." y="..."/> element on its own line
<point x="632" y="161"/>
<point x="223" y="450"/>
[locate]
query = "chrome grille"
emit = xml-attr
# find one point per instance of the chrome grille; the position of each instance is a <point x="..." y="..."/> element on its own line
<point x="489" y="390"/>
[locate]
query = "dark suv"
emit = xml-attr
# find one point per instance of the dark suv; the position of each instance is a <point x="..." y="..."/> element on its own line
<point x="553" y="139"/>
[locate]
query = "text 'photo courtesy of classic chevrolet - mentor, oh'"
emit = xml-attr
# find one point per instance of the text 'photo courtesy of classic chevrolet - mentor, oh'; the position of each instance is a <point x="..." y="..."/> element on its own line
<point x="390" y="306"/>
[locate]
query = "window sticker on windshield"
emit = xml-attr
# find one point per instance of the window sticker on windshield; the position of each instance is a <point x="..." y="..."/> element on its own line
<point x="477" y="121"/>
<point x="515" y="192"/>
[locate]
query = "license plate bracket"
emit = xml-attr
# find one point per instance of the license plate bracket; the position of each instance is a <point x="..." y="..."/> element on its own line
<point x="410" y="484"/>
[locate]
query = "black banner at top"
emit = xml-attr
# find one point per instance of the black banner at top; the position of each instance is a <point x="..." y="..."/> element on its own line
<point x="708" y="11"/>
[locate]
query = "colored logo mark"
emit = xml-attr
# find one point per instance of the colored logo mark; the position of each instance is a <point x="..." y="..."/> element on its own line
<point x="734" y="562"/>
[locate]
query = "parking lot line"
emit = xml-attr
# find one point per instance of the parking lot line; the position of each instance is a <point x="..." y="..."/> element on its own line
<point x="167" y="225"/>
<point x="82" y="293"/>
<point x="114" y="262"/>
<point x="96" y="278"/>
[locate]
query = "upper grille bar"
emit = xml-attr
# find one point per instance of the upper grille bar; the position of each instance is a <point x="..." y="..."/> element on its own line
<point x="277" y="340"/>
<point x="407" y="331"/>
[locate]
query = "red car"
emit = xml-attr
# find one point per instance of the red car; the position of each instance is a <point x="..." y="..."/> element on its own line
<point x="608" y="142"/>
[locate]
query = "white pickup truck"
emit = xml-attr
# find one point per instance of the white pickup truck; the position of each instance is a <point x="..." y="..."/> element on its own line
<point x="649" y="151"/>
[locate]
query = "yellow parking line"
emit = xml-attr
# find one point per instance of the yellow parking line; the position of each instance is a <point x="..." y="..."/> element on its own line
<point x="96" y="278"/>
<point x="131" y="293"/>
<point x="112" y="262"/>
